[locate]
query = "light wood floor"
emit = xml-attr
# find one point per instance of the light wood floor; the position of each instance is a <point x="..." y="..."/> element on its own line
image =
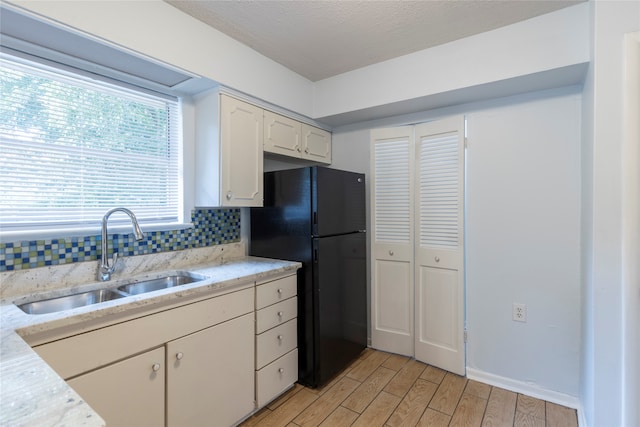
<point x="382" y="389"/>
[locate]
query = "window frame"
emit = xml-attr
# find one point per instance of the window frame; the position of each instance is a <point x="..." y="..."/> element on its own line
<point x="27" y="232"/>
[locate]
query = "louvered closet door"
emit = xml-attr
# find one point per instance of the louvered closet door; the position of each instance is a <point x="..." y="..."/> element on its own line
<point x="392" y="242"/>
<point x="439" y="244"/>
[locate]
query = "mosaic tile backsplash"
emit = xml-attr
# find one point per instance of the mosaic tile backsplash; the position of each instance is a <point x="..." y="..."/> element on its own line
<point x="211" y="227"/>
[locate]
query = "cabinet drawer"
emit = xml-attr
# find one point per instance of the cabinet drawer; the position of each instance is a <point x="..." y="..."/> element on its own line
<point x="276" y="377"/>
<point x="275" y="342"/>
<point x="276" y="291"/>
<point x="276" y="314"/>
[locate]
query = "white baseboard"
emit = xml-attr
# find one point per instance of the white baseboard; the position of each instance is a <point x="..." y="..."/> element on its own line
<point x="529" y="390"/>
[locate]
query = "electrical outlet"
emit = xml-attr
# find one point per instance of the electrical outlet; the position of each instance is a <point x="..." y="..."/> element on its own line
<point x="519" y="312"/>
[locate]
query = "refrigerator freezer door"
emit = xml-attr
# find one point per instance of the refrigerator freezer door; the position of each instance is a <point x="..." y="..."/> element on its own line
<point x="339" y="270"/>
<point x="282" y="228"/>
<point x="338" y="201"/>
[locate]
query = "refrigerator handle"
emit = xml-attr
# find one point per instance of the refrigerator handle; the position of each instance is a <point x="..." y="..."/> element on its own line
<point x="315" y="254"/>
<point x="315" y="218"/>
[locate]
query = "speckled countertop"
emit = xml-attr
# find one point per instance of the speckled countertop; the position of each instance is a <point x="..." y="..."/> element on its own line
<point x="31" y="393"/>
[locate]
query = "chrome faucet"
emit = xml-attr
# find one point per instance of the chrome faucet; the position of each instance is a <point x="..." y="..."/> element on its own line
<point x="105" y="270"/>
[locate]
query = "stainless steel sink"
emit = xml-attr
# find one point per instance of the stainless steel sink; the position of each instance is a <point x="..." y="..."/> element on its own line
<point x="180" y="278"/>
<point x="101" y="295"/>
<point x="68" y="302"/>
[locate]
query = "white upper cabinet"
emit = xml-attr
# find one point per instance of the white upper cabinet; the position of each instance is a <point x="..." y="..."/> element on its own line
<point x="289" y="137"/>
<point x="231" y="139"/>
<point x="229" y="152"/>
<point x="316" y="144"/>
<point x="282" y="135"/>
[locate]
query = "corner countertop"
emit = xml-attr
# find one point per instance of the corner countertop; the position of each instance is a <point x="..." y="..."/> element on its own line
<point x="32" y="393"/>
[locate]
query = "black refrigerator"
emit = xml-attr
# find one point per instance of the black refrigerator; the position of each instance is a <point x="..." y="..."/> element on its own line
<point x="316" y="215"/>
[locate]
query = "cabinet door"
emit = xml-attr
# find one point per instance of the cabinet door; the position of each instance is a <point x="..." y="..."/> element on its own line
<point x="392" y="240"/>
<point x="210" y="375"/>
<point x="439" y="244"/>
<point x="316" y="144"/>
<point x="127" y="393"/>
<point x="281" y="135"/>
<point x="241" y="152"/>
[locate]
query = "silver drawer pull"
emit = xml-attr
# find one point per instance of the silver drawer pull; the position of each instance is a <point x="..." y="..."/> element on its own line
<point x="280" y="337"/>
<point x="281" y="370"/>
<point x="280" y="314"/>
<point x="437" y="259"/>
<point x="279" y="291"/>
<point x="179" y="355"/>
<point x="156" y="367"/>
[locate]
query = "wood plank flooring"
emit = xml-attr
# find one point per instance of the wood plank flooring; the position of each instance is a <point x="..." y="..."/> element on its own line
<point x="387" y="390"/>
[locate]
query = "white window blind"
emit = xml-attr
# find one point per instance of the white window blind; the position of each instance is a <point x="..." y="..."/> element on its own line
<point x="392" y="191"/>
<point x="71" y="148"/>
<point x="439" y="191"/>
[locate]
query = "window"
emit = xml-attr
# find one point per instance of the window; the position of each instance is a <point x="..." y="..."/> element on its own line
<point x="72" y="147"/>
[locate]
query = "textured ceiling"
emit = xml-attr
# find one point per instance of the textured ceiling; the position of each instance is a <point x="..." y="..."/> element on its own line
<point x="320" y="38"/>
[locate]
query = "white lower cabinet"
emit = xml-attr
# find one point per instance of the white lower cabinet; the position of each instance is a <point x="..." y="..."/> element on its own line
<point x="276" y="360"/>
<point x="276" y="377"/>
<point x="194" y="363"/>
<point x="209" y="375"/>
<point x="127" y="393"/>
<point x="276" y="342"/>
<point x="210" y="362"/>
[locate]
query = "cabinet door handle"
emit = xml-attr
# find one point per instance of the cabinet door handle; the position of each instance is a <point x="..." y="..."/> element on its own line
<point x="279" y="291"/>
<point x="280" y="314"/>
<point x="306" y="150"/>
<point x="437" y="259"/>
<point x="391" y="253"/>
<point x="281" y="370"/>
<point x="156" y="367"/>
<point x="229" y="195"/>
<point x="179" y="355"/>
<point x="280" y="337"/>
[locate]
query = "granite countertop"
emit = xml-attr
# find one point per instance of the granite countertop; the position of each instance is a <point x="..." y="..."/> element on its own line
<point x="31" y="393"/>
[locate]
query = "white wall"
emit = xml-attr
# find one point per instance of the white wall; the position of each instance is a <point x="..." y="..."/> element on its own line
<point x="631" y="227"/>
<point x="158" y="30"/>
<point x="523" y="244"/>
<point x="605" y="364"/>
<point x="513" y="59"/>
<point x="503" y="54"/>
<point x="523" y="235"/>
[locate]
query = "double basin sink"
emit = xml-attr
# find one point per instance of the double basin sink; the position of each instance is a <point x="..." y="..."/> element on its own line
<point x="102" y="295"/>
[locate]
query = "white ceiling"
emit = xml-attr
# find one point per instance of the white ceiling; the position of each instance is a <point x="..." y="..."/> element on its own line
<point x="322" y="38"/>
